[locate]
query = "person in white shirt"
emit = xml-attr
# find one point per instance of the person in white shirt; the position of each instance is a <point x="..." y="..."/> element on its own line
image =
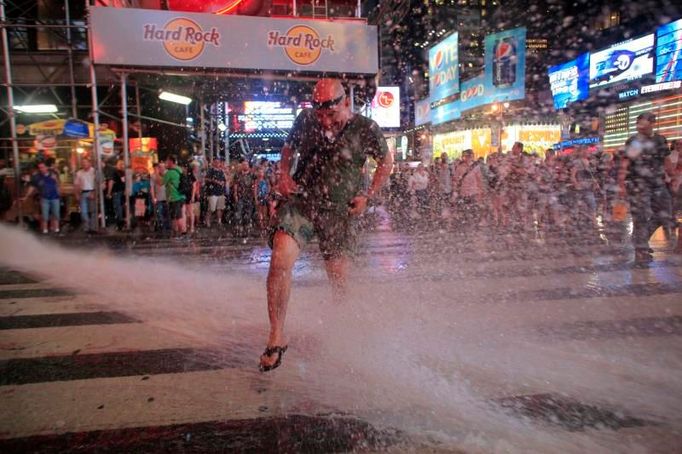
<point x="85" y="194"/>
<point x="418" y="185"/>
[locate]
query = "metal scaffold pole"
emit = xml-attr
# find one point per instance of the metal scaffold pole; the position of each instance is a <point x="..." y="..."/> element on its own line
<point x="96" y="142"/>
<point x="12" y="118"/>
<point x="202" y="127"/>
<point x="126" y="151"/>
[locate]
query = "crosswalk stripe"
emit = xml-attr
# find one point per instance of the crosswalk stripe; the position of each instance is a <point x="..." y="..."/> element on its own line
<point x="39" y="342"/>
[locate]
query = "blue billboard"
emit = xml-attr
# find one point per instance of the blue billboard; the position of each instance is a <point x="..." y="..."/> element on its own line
<point x="504" y="78"/>
<point x="474" y="93"/>
<point x="505" y="64"/>
<point x="570" y="81"/>
<point x="444" y="69"/>
<point x="669" y="52"/>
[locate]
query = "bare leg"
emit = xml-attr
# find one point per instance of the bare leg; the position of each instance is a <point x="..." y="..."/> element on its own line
<point x="285" y="251"/>
<point x="337" y="272"/>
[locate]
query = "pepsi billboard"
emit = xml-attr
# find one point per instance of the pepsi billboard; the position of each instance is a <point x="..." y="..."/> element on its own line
<point x="505" y="64"/>
<point x="444" y="69"/>
<point x="622" y="62"/>
<point x="570" y="82"/>
<point x="669" y="52"/>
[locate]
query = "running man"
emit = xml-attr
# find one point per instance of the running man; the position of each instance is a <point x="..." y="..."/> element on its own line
<point x="324" y="197"/>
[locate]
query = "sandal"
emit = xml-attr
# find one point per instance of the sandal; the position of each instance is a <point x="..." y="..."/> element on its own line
<point x="269" y="351"/>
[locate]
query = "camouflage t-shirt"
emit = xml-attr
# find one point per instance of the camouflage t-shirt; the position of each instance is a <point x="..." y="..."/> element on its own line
<point x="329" y="171"/>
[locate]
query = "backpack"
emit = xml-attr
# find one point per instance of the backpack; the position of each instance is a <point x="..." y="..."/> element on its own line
<point x="185" y="186"/>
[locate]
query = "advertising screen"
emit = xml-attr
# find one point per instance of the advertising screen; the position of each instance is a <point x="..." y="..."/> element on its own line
<point x="444" y="69"/>
<point x="453" y="143"/>
<point x="258" y="116"/>
<point x="669" y="52"/>
<point x="622" y="62"/>
<point x="570" y="82"/>
<point x="504" y="78"/>
<point x="422" y="112"/>
<point x="385" y="107"/>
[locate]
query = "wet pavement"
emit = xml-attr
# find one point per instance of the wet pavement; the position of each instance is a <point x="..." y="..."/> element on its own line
<point x="77" y="375"/>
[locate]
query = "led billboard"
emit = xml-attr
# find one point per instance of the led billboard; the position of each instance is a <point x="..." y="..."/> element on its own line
<point x="505" y="64"/>
<point x="385" y="107"/>
<point x="570" y="82"/>
<point x="444" y="69"/>
<point x="622" y="62"/>
<point x="422" y="112"/>
<point x="669" y="52"/>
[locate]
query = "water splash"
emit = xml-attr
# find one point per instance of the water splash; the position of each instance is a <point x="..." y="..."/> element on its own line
<point x="428" y="357"/>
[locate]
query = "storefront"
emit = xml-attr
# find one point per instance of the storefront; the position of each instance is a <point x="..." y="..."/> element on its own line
<point x="64" y="141"/>
<point x="535" y="138"/>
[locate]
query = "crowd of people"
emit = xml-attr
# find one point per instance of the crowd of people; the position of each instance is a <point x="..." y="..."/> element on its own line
<point x="581" y="193"/>
<point x="177" y="199"/>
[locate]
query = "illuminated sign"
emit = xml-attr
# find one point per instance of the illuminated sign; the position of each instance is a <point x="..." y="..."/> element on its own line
<point x="669" y="52"/>
<point x="574" y="142"/>
<point x="453" y="143"/>
<point x="570" y="81"/>
<point x="385" y="107"/>
<point x="628" y="93"/>
<point x="661" y="87"/>
<point x="444" y="69"/>
<point x="197" y="40"/>
<point x="535" y="138"/>
<point x="622" y="62"/>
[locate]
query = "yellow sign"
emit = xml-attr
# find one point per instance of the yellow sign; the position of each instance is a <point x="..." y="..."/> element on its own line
<point x="453" y="143"/>
<point x="302" y="44"/>
<point x="535" y="138"/>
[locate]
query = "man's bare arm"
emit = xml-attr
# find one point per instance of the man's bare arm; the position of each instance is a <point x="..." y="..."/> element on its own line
<point x="381" y="175"/>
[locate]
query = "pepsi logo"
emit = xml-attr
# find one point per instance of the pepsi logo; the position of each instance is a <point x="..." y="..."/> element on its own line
<point x="504" y="49"/>
<point x="438" y="60"/>
<point x="385" y="99"/>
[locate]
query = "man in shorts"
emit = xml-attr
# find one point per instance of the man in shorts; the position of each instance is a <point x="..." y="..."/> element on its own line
<point x="215" y="191"/>
<point x="324" y="197"/>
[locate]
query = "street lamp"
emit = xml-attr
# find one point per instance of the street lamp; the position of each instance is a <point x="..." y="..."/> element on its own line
<point x="172" y="97"/>
<point x="37" y="108"/>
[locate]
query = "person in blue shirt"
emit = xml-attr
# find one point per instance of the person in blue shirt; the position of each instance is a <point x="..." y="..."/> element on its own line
<point x="46" y="183"/>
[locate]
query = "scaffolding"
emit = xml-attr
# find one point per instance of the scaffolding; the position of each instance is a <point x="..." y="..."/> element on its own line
<point x="55" y="54"/>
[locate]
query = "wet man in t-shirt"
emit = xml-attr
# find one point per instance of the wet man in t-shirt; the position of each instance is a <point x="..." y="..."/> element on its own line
<point x="644" y="169"/>
<point x="323" y="198"/>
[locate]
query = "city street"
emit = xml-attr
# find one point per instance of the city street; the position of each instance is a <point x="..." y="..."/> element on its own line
<point x="446" y="344"/>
